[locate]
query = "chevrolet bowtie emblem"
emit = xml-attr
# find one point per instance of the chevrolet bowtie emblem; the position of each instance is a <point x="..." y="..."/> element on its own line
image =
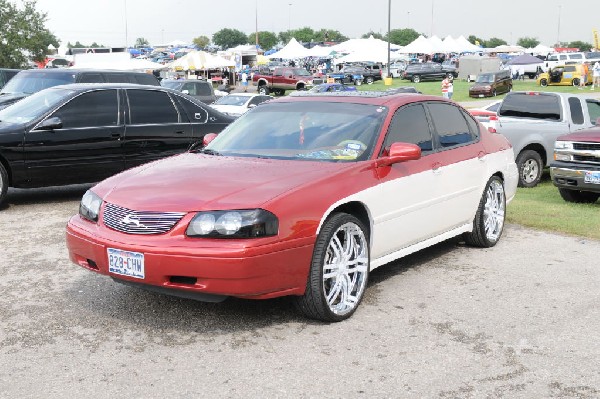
<point x="132" y="220"/>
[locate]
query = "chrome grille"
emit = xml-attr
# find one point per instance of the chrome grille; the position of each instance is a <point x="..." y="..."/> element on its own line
<point x="139" y="222"/>
<point x="586" y="146"/>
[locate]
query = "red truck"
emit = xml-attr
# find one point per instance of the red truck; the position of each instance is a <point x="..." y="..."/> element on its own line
<point x="576" y="166"/>
<point x="282" y="79"/>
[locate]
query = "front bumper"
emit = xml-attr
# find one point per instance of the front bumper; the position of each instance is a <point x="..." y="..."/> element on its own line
<point x="571" y="176"/>
<point x="185" y="267"/>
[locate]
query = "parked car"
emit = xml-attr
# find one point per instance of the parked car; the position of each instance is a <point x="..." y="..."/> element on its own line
<point x="31" y="81"/>
<point x="369" y="75"/>
<point x="331" y="87"/>
<point x="83" y="133"/>
<point x="282" y="79"/>
<point x="6" y="75"/>
<point x="428" y="71"/>
<point x="238" y="104"/>
<point x="532" y="121"/>
<point x="487" y="115"/>
<point x="307" y="206"/>
<point x="564" y="75"/>
<point x="576" y="166"/>
<point x="491" y="84"/>
<point x="199" y="89"/>
<point x="396" y="69"/>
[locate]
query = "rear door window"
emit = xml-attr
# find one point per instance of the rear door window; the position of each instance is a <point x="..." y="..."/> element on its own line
<point x="151" y="107"/>
<point x="576" y="110"/>
<point x="450" y="124"/>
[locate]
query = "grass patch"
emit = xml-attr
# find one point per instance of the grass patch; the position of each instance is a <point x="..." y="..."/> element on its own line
<point x="461" y="88"/>
<point x="543" y="208"/>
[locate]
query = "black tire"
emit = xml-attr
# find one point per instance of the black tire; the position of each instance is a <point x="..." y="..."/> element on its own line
<point x="358" y="82"/>
<point x="530" y="167"/>
<point x="3" y="183"/>
<point x="494" y="93"/>
<point x="581" y="197"/>
<point x="264" y="90"/>
<point x="369" y="80"/>
<point x="575" y="82"/>
<point x="509" y="88"/>
<point x="544" y="82"/>
<point x="450" y="77"/>
<point x="491" y="214"/>
<point x="416" y="79"/>
<point x="315" y="303"/>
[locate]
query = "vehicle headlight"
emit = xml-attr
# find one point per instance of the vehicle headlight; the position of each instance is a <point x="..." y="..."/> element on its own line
<point x="563" y="145"/>
<point x="247" y="223"/>
<point x="90" y="206"/>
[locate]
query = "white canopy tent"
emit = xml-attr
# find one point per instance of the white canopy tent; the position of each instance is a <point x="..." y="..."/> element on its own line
<point x="541" y="49"/>
<point x="117" y="61"/>
<point x="320" y="51"/>
<point x="291" y="50"/>
<point x="466" y="46"/>
<point x="419" y="45"/>
<point x="354" y="45"/>
<point x="199" y="60"/>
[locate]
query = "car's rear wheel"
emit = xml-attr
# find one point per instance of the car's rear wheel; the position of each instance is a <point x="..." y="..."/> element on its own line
<point x="544" y="82"/>
<point x="369" y="80"/>
<point x="494" y="93"/>
<point x="489" y="219"/>
<point x="358" y="82"/>
<point x="3" y="183"/>
<point x="575" y="82"/>
<point x="264" y="90"/>
<point x="416" y="79"/>
<point x="339" y="270"/>
<point x="450" y="77"/>
<point x="530" y="167"/>
<point x="583" y="197"/>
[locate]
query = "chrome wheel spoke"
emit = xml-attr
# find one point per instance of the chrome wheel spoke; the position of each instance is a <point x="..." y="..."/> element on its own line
<point x="493" y="214"/>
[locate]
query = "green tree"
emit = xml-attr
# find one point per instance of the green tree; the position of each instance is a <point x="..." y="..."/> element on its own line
<point x="528" y="42"/>
<point x="201" y="41"/>
<point x="284" y="37"/>
<point x="371" y="33"/>
<point x="141" y="42"/>
<point x="304" y="35"/>
<point x="23" y="34"/>
<point x="476" y="40"/>
<point x="582" y="46"/>
<point x="329" y="35"/>
<point x="227" y="38"/>
<point x="401" y="37"/>
<point x="266" y="40"/>
<point x="494" y="42"/>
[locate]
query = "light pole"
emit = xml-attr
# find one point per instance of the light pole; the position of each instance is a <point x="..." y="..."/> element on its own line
<point x="290" y="17"/>
<point x="408" y="20"/>
<point x="125" y="24"/>
<point x="432" y="4"/>
<point x="558" y="31"/>
<point x="256" y="25"/>
<point x="388" y="35"/>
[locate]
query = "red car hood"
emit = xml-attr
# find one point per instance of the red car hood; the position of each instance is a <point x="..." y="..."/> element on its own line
<point x="589" y="135"/>
<point x="192" y="182"/>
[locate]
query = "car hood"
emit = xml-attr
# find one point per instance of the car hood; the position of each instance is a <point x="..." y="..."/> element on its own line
<point x="7" y="99"/>
<point x="193" y="182"/>
<point x="588" y="135"/>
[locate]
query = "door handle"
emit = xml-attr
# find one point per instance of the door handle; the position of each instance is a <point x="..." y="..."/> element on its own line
<point x="436" y="168"/>
<point x="179" y="132"/>
<point x="482" y="156"/>
<point x="115" y="135"/>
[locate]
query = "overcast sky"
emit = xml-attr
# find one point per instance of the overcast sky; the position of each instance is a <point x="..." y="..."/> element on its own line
<point x="105" y="21"/>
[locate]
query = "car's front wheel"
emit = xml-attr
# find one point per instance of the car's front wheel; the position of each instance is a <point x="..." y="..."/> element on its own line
<point x="3" y="183"/>
<point x="416" y="79"/>
<point x="575" y="82"/>
<point x="450" y="77"/>
<point x="544" y="82"/>
<point x="582" y="197"/>
<point x="489" y="219"/>
<point x="530" y="167"/>
<point x="264" y="90"/>
<point x="369" y="80"/>
<point x="339" y="270"/>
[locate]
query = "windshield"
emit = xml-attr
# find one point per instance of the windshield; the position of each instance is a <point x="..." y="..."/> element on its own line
<point x="484" y="78"/>
<point x="170" y="84"/>
<point x="30" y="83"/>
<point x="232" y="99"/>
<point x="315" y="130"/>
<point x="33" y="106"/>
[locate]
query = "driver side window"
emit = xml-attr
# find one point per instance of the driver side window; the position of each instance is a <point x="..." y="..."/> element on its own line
<point x="409" y="125"/>
<point x="93" y="109"/>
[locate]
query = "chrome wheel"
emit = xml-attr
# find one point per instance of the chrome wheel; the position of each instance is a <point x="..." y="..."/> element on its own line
<point x="345" y="269"/>
<point x="530" y="171"/>
<point x="494" y="210"/>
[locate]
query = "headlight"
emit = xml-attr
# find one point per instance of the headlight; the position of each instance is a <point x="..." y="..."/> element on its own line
<point x="563" y="145"/>
<point x="90" y="206"/>
<point x="250" y="223"/>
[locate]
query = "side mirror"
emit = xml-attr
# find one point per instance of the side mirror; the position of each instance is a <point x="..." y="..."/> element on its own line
<point x="208" y="138"/>
<point x="50" y="124"/>
<point x="185" y="91"/>
<point x="251" y="106"/>
<point x="400" y="152"/>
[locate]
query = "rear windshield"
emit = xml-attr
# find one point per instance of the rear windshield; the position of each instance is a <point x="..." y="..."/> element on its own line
<point x="28" y="83"/>
<point x="531" y="105"/>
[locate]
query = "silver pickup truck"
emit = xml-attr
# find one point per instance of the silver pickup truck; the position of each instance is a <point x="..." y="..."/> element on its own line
<point x="532" y="121"/>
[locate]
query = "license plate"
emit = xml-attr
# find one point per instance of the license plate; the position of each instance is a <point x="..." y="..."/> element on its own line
<point x="592" y="177"/>
<point x="481" y="95"/>
<point x="125" y="263"/>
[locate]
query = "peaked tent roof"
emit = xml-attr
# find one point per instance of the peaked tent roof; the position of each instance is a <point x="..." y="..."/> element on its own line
<point x="291" y="50"/>
<point x="524" y="59"/>
<point x="419" y="45"/>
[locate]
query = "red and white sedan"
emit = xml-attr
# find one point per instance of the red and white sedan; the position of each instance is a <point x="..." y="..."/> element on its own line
<point x="301" y="196"/>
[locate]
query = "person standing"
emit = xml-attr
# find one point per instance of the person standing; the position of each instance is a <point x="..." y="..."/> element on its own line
<point x="447" y="88"/>
<point x="596" y="75"/>
<point x="584" y="74"/>
<point x="245" y="81"/>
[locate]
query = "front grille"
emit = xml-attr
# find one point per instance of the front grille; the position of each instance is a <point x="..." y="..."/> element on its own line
<point x="586" y="146"/>
<point x="586" y="158"/>
<point x="139" y="222"/>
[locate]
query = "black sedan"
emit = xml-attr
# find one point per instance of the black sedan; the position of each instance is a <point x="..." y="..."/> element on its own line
<point x="83" y="133"/>
<point x="428" y="71"/>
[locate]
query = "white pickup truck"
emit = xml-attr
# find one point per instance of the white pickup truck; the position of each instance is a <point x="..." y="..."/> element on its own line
<point x="532" y="121"/>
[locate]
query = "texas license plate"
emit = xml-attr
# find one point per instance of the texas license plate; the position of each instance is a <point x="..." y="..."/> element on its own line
<point x="592" y="177"/>
<point x="125" y="263"/>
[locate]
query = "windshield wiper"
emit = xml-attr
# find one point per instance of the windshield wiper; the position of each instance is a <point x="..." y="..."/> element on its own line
<point x="210" y="152"/>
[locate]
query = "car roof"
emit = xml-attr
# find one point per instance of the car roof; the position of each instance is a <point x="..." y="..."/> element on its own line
<point x="69" y="71"/>
<point x="89" y="86"/>
<point x="391" y="97"/>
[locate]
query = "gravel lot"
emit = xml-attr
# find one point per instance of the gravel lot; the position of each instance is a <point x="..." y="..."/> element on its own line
<point x="520" y="320"/>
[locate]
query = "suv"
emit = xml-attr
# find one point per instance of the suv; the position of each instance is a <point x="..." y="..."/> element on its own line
<point x="31" y="81"/>
<point x="428" y="71"/>
<point x="200" y="89"/>
<point x="491" y="84"/>
<point x="6" y="75"/>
